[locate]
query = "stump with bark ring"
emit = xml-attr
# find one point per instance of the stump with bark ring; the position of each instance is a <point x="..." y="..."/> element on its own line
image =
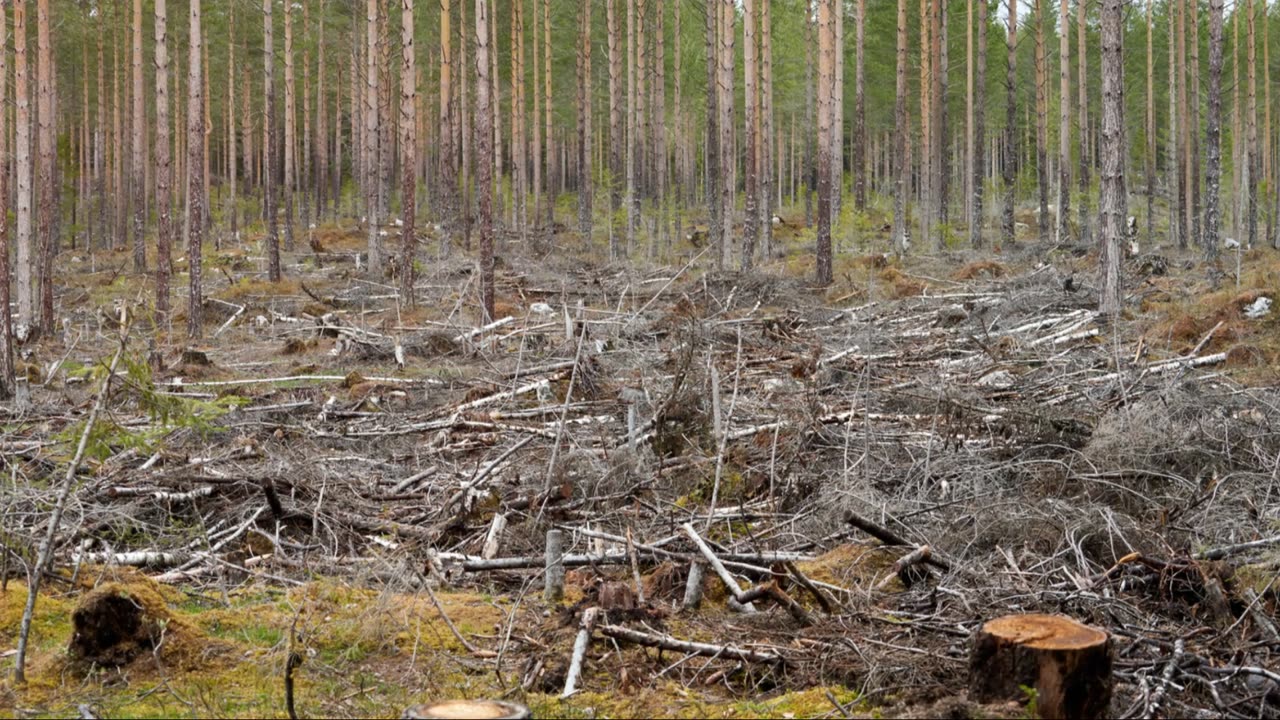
<point x="480" y="709"/>
<point x="1067" y="664"/>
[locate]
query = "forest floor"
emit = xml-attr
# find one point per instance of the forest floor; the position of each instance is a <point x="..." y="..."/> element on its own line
<point x="305" y="481"/>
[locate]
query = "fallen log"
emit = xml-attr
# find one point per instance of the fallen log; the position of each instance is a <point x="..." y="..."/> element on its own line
<point x="1067" y="664"/>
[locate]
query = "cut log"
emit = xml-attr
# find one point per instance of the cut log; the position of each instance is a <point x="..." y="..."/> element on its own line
<point x="1067" y="664"/>
<point x="479" y="709"/>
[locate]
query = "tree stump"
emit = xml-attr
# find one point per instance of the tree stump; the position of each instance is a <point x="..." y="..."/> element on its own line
<point x="1067" y="664"/>
<point x="478" y="709"/>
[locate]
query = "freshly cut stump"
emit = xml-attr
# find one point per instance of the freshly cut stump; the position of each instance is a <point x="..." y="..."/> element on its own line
<point x="478" y="709"/>
<point x="1067" y="664"/>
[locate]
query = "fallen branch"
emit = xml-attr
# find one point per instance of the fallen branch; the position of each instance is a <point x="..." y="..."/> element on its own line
<point x="667" y="642"/>
<point x="725" y="577"/>
<point x="580" y="644"/>
<point x="889" y="537"/>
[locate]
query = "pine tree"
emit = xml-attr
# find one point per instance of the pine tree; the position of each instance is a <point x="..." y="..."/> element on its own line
<point x="163" y="170"/>
<point x="1112" y="200"/>
<point x="195" y="161"/>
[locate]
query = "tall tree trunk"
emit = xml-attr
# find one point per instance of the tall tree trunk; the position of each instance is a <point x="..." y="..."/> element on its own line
<point x="546" y="107"/>
<point x="631" y="201"/>
<point x="45" y="140"/>
<point x="484" y="157"/>
<point x="289" y="180"/>
<point x="712" y="165"/>
<point x="1237" y="133"/>
<point x="979" y="133"/>
<point x="617" y="139"/>
<point x="901" y="157"/>
<point x="837" y="116"/>
<point x="25" y="259"/>
<point x="1112" y="198"/>
<point x="163" y="199"/>
<point x="7" y="376"/>
<point x="1213" y="134"/>
<point x="1064" y="123"/>
<point x="269" y="176"/>
<point x="233" y="204"/>
<point x="305" y="179"/>
<point x="195" y="161"/>
<point x="969" y="159"/>
<point x="1151" y="127"/>
<point x="826" y="95"/>
<point x="808" y="171"/>
<point x="926" y="118"/>
<point x="536" y="150"/>
<point x="1184" y="138"/>
<point x="728" y="159"/>
<point x="448" y="157"/>
<point x="1251" y="121"/>
<point x="408" y="144"/>
<point x="372" y="199"/>
<point x="1042" y="124"/>
<point x="1010" y="168"/>
<point x="769" y="177"/>
<point x="137" y="165"/>
<point x="1082" y="88"/>
<point x="938" y="105"/>
<point x="120" y="194"/>
<point x="1194" y="166"/>
<point x="751" y="136"/>
<point x="99" y="136"/>
<point x="385" y="159"/>
<point x="1173" y="150"/>
<point x="584" y="119"/>
<point x="322" y="125"/>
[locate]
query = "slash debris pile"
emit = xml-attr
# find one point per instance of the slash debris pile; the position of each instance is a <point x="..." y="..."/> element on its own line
<point x="853" y="490"/>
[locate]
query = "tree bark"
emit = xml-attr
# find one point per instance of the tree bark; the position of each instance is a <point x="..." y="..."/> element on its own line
<point x="1213" y="134"/>
<point x="484" y="157"/>
<point x="164" y="170"/>
<point x="138" y="163"/>
<point x="1151" y="127"/>
<point x="1251" y="121"/>
<point x="807" y="184"/>
<point x="1010" y="122"/>
<point x="826" y="79"/>
<point x="372" y="198"/>
<point x="1064" y="123"/>
<point x="408" y="145"/>
<point x="617" y="140"/>
<point x="631" y="201"/>
<point x="1042" y="124"/>
<point x="902" y="179"/>
<point x="751" y="136"/>
<point x="25" y="259"/>
<point x="45" y="140"/>
<point x="728" y="159"/>
<point x="584" y="119"/>
<point x="1112" y="200"/>
<point x="289" y="182"/>
<point x="271" y="144"/>
<point x="1082" y="87"/>
<point x="977" y="178"/>
<point x="195" y="161"/>
<point x="712" y="165"/>
<point x="7" y="375"/>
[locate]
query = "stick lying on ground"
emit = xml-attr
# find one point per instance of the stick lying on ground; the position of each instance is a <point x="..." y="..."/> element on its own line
<point x="889" y="537"/>
<point x="666" y="642"/>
